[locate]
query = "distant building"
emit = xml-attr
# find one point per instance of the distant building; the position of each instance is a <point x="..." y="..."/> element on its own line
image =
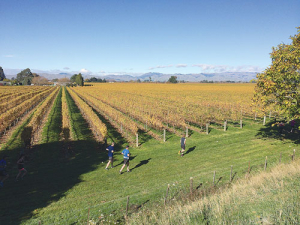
<point x="4" y="83"/>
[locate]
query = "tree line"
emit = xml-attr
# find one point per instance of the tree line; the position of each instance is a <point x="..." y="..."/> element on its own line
<point x="26" y="77"/>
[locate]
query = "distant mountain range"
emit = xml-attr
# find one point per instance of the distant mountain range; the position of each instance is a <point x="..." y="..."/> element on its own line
<point x="160" y="77"/>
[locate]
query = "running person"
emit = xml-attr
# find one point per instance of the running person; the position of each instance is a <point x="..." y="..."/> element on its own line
<point x="293" y="123"/>
<point x="182" y="143"/>
<point x="3" y="172"/>
<point x="126" y="155"/>
<point x="21" y="168"/>
<point x="111" y="151"/>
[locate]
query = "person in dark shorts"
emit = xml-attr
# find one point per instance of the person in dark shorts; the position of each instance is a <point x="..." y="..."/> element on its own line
<point x="126" y="155"/>
<point x="21" y="168"/>
<point x="110" y="150"/>
<point x="3" y="174"/>
<point x="281" y="127"/>
<point x="293" y="123"/>
<point x="182" y="144"/>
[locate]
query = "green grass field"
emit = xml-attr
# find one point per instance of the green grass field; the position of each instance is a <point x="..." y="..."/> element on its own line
<point x="71" y="190"/>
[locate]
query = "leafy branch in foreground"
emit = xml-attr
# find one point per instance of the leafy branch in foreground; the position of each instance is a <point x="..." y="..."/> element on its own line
<point x="278" y="86"/>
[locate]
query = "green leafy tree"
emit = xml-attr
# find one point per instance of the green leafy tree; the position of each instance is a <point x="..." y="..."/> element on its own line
<point x="2" y="75"/>
<point x="25" y="77"/>
<point x="73" y="78"/>
<point x="173" y="79"/>
<point x="278" y="86"/>
<point x="79" y="80"/>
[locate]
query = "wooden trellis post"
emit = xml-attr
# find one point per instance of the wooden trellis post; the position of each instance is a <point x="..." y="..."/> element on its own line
<point x="230" y="174"/>
<point x="214" y="178"/>
<point x="266" y="162"/>
<point x="166" y="197"/>
<point x="127" y="206"/>
<point x="191" y="185"/>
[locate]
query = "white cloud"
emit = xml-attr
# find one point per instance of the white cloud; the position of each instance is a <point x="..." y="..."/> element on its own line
<point x="159" y="67"/>
<point x="85" y="71"/>
<point x="66" y="68"/>
<point x="181" y="65"/>
<point x="9" y="56"/>
<point x="225" y="68"/>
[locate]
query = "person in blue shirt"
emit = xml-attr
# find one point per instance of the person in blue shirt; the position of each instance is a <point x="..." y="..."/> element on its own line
<point x="126" y="155"/>
<point x="3" y="174"/>
<point x="110" y="150"/>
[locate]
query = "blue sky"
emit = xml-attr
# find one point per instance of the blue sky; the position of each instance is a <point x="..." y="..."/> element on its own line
<point x="141" y="36"/>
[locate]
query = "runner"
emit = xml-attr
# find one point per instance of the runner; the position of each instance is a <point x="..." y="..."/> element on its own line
<point x="126" y="155"/>
<point x="111" y="151"/>
<point x="3" y="172"/>
<point x="293" y="123"/>
<point x="281" y="127"/>
<point x="182" y="143"/>
<point x="21" y="168"/>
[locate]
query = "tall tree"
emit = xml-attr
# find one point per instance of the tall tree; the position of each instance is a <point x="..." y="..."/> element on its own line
<point x="2" y="75"/>
<point x="278" y="86"/>
<point x="173" y="79"/>
<point x="25" y="77"/>
<point x="79" y="80"/>
<point x="73" y="78"/>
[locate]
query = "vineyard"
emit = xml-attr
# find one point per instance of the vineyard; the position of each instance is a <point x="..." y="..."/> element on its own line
<point x="167" y="108"/>
<point x="64" y="131"/>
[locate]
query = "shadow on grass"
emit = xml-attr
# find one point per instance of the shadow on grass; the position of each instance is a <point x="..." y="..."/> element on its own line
<point x="48" y="180"/>
<point x="50" y="173"/>
<point x="190" y="150"/>
<point x="272" y="131"/>
<point x="143" y="162"/>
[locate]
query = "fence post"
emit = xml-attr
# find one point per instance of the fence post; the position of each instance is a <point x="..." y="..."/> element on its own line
<point x="264" y="123"/>
<point x="166" y="197"/>
<point x="225" y="125"/>
<point x="127" y="206"/>
<point x="187" y="132"/>
<point x="88" y="220"/>
<point x="164" y="135"/>
<point x="241" y="124"/>
<point x="214" y="178"/>
<point x="293" y="157"/>
<point x="230" y="174"/>
<point x="249" y="167"/>
<point x="191" y="185"/>
<point x="137" y="140"/>
<point x="207" y="128"/>
<point x="280" y="157"/>
<point x="266" y="162"/>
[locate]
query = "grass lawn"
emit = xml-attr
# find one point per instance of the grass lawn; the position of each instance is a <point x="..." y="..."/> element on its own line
<point x="60" y="190"/>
